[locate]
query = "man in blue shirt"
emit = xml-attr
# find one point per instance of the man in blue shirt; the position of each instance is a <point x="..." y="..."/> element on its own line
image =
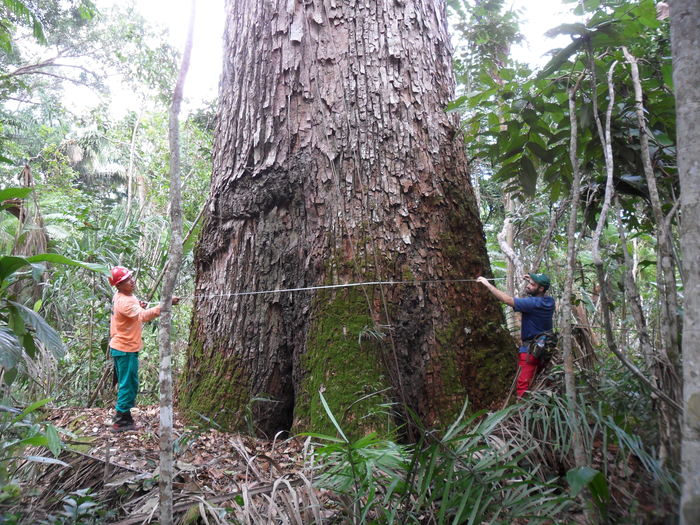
<point x="537" y="311"/>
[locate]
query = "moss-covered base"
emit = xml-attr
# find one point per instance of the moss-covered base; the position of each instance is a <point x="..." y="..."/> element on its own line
<point x="212" y="394"/>
<point x="477" y="361"/>
<point x="342" y="362"/>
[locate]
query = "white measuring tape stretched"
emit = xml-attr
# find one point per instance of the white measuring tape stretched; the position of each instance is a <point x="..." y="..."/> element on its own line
<point x="332" y="286"/>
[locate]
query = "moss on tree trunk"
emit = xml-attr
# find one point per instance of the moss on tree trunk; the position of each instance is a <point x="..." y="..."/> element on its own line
<point x="335" y="162"/>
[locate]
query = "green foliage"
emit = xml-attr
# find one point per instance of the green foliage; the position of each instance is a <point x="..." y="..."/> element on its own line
<point x="21" y="328"/>
<point x="81" y="166"/>
<point x="588" y="477"/>
<point x="20" y="430"/>
<point x="49" y="22"/>
<point x="529" y="144"/>
<point x="25" y="15"/>
<point x="80" y="507"/>
<point x="545" y="425"/>
<point x="486" y="34"/>
<point x="463" y="476"/>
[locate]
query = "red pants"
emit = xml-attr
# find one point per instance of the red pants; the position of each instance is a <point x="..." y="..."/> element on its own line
<point x="528" y="368"/>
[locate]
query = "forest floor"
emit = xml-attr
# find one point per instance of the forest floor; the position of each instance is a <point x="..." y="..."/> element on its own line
<point x="210" y="467"/>
<point x="214" y="470"/>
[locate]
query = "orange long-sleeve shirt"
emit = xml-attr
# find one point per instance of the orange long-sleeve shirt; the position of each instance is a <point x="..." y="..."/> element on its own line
<point x="127" y="321"/>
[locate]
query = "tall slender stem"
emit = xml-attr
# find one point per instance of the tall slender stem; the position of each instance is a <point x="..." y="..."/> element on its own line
<point x="174" y="260"/>
<point x="569" y="377"/>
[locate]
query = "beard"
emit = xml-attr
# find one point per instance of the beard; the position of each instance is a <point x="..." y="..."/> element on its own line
<point x="533" y="292"/>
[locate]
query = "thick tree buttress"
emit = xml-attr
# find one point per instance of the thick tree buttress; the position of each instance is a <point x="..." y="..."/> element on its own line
<point x="335" y="162"/>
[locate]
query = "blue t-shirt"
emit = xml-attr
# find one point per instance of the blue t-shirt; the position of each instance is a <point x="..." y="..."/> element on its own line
<point x="537" y="316"/>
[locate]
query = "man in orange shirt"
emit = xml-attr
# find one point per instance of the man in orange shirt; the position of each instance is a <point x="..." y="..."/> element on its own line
<point x="126" y="325"/>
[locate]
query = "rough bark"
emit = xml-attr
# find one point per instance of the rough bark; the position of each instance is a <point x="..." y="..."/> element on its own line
<point x="335" y="162"/>
<point x="685" y="42"/>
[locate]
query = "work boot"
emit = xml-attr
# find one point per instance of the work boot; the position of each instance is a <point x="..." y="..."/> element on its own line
<point x="122" y="422"/>
<point x="130" y="419"/>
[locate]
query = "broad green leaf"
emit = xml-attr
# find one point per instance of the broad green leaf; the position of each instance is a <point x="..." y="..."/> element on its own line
<point x="10" y="349"/>
<point x="506" y="74"/>
<point x="325" y="437"/>
<point x="528" y="176"/>
<point x="564" y="134"/>
<point x="530" y="115"/>
<point x="663" y="139"/>
<point x="456" y="104"/>
<point x="10" y="375"/>
<point x="541" y="129"/>
<point x="555" y="191"/>
<point x="10" y="264"/>
<point x="87" y="10"/>
<point x="542" y="153"/>
<point x="667" y="72"/>
<point x="38" y="440"/>
<point x="54" y="442"/>
<point x="24" y="11"/>
<point x="47" y="335"/>
<point x="579" y="478"/>
<point x="561" y="57"/>
<point x="13" y="193"/>
<point x="31" y="408"/>
<point x="15" y="322"/>
<point x="5" y="40"/>
<point x="646" y="10"/>
<point x="599" y="488"/>
<point x="567" y="29"/>
<point x="62" y="259"/>
<point x="29" y="345"/>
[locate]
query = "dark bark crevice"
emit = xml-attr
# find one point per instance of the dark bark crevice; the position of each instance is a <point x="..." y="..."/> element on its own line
<point x="335" y="162"/>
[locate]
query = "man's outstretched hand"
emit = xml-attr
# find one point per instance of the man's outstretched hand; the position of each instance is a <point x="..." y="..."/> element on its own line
<point x="482" y="280"/>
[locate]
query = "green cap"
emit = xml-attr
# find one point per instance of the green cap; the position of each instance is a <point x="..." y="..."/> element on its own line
<point x="541" y="278"/>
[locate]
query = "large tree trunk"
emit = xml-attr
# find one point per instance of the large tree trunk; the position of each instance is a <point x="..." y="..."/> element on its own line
<point x="685" y="39"/>
<point x="335" y="162"/>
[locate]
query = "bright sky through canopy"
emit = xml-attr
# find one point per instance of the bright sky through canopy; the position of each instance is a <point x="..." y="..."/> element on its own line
<point x="536" y="17"/>
<point x="207" y="51"/>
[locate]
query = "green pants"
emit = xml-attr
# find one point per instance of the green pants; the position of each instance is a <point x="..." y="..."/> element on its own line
<point x="126" y="364"/>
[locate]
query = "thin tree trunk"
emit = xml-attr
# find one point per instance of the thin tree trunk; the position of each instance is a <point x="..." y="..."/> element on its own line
<point x="130" y="169"/>
<point x="665" y="268"/>
<point x="187" y="238"/>
<point x="546" y="239"/>
<point x="685" y="42"/>
<point x="646" y="347"/>
<point x="565" y="305"/>
<point x="514" y="266"/>
<point x="669" y="379"/>
<point x="174" y="262"/>
<point x="605" y="139"/>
